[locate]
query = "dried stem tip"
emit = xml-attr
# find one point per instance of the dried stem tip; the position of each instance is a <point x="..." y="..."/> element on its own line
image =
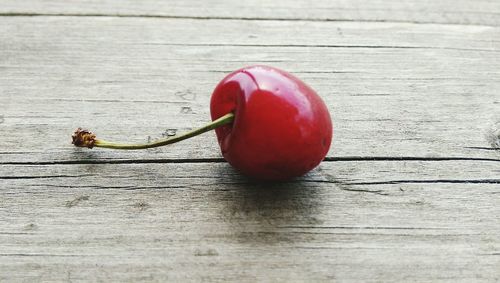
<point x="83" y="138"/>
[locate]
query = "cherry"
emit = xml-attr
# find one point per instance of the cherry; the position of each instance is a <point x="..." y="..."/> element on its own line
<point x="282" y="128"/>
<point x="270" y="125"/>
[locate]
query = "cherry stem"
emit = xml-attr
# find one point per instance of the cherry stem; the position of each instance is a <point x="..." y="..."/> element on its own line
<point x="84" y="138"/>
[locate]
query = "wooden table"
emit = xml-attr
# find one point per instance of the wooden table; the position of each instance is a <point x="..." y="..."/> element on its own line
<point x="410" y="190"/>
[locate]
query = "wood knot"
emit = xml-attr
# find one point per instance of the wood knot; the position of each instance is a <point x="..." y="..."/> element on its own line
<point x="83" y="138"/>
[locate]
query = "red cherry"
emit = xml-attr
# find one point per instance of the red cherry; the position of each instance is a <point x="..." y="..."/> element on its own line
<point x="270" y="125"/>
<point x="282" y="128"/>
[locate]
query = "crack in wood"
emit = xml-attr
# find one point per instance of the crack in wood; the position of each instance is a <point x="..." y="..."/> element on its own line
<point x="318" y="46"/>
<point x="229" y="18"/>
<point x="436" y="181"/>
<point x="401" y="234"/>
<point x="222" y="160"/>
<point x="364" y="227"/>
<point x="377" y="192"/>
<point x="42" y="177"/>
<point x="407" y="158"/>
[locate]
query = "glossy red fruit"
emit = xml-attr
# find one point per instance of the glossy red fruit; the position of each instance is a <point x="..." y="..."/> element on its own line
<point x="282" y="128"/>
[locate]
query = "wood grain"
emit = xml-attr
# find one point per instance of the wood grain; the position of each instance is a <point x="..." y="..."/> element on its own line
<point x="409" y="192"/>
<point x="464" y="12"/>
<point x="350" y="221"/>
<point x="431" y="92"/>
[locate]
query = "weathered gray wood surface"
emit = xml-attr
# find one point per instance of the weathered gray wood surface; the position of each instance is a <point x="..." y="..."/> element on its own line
<point x="203" y="221"/>
<point x="427" y="92"/>
<point x="478" y="12"/>
<point x="410" y="190"/>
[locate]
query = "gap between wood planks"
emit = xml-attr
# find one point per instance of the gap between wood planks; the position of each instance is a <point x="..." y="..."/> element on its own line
<point x="222" y="160"/>
<point x="379" y="192"/>
<point x="227" y="18"/>
<point x="328" y="159"/>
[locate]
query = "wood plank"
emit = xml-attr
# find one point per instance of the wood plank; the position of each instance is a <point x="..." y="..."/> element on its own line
<point x="479" y="12"/>
<point x="413" y="221"/>
<point x="409" y="191"/>
<point x="430" y="92"/>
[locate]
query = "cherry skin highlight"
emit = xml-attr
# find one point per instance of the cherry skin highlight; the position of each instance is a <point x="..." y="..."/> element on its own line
<point x="282" y="129"/>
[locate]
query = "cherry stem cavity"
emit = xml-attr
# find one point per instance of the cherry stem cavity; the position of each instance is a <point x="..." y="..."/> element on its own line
<point x="84" y="138"/>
